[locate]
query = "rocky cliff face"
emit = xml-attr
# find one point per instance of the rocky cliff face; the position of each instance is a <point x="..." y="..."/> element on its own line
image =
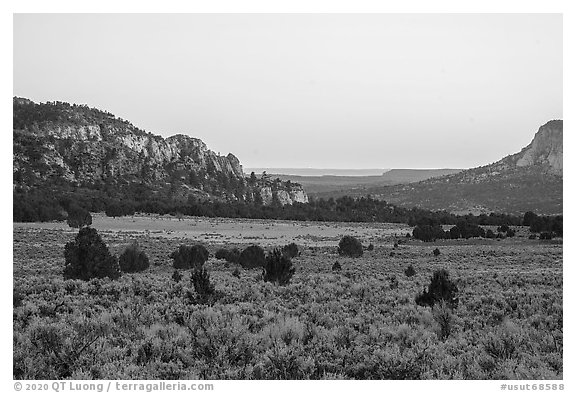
<point x="546" y="149"/>
<point x="57" y="142"/>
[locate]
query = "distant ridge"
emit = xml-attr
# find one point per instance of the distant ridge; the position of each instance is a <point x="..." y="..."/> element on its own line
<point x="318" y="171"/>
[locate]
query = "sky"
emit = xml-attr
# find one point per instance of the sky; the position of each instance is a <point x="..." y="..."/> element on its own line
<point x="308" y="90"/>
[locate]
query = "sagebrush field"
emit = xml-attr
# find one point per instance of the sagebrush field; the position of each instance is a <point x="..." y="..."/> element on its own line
<point x="358" y="323"/>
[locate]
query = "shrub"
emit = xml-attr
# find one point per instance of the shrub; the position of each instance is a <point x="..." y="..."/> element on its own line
<point x="291" y="250"/>
<point x="278" y="268"/>
<point x="503" y="228"/>
<point x="393" y="282"/>
<point x="252" y="256"/>
<point x="350" y="246"/>
<point x="336" y="267"/>
<point x="370" y="247"/>
<point x="231" y="256"/>
<point x="440" y="289"/>
<point x="17" y="298"/>
<point x="545" y="236"/>
<point x="78" y="217"/>
<point x="442" y="314"/>
<point x="200" y="279"/>
<point x="133" y="259"/>
<point x="532" y="236"/>
<point x="190" y="257"/>
<point x="410" y="271"/>
<point x="490" y="234"/>
<point x="436" y="252"/>
<point x="88" y="257"/>
<point x="236" y="273"/>
<point x="176" y="276"/>
<point x="510" y="232"/>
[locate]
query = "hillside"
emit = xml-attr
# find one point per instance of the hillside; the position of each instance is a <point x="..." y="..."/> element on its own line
<point x="530" y="180"/>
<point x="60" y="147"/>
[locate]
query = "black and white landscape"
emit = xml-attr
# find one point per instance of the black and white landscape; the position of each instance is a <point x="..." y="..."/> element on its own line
<point x="141" y="252"/>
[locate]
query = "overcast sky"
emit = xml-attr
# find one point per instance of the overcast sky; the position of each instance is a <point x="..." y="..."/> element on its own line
<point x="308" y="90"/>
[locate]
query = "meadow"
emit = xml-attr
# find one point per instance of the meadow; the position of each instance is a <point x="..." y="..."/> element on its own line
<point x="358" y="323"/>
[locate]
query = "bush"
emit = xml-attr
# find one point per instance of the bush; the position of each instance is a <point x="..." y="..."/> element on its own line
<point x="17" y="298"/>
<point x="88" y="257"/>
<point x="410" y="271"/>
<point x="436" y="252"/>
<point x="133" y="259"/>
<point x="510" y="232"/>
<point x="231" y="256"/>
<point x="546" y="236"/>
<point x="490" y="234"/>
<point x="236" y="273"/>
<point x="350" y="246"/>
<point x="200" y="279"/>
<point x="336" y="267"/>
<point x="291" y="250"/>
<point x="503" y="228"/>
<point x="78" y="217"/>
<point x="370" y="247"/>
<point x="252" y="256"/>
<point x="442" y="314"/>
<point x="190" y="257"/>
<point x="278" y="268"/>
<point x="176" y="276"/>
<point x="440" y="289"/>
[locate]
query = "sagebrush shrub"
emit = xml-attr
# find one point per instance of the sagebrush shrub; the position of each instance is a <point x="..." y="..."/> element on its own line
<point x="133" y="259"/>
<point x="441" y="288"/>
<point x="236" y="273"/>
<point x="291" y="250"/>
<point x="436" y="252"/>
<point x="370" y="247"/>
<point x="252" y="256"/>
<point x="350" y="246"/>
<point x="278" y="268"/>
<point x="442" y="314"/>
<point x="88" y="257"/>
<point x="190" y="257"/>
<point x="336" y="267"/>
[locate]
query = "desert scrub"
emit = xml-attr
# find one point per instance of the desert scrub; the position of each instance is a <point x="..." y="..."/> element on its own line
<point x="189" y="257"/>
<point x="88" y="257"/>
<point x="350" y="246"/>
<point x="133" y="259"/>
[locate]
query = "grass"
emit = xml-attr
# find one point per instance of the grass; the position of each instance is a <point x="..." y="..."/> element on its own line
<point x="352" y="324"/>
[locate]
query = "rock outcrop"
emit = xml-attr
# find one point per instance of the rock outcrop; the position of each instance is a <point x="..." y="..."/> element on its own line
<point x="58" y="142"/>
<point x="546" y="149"/>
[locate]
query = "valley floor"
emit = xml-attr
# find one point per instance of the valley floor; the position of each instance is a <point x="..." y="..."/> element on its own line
<point x="359" y="323"/>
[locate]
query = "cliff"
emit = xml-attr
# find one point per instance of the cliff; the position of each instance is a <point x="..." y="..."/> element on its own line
<point x="56" y="143"/>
